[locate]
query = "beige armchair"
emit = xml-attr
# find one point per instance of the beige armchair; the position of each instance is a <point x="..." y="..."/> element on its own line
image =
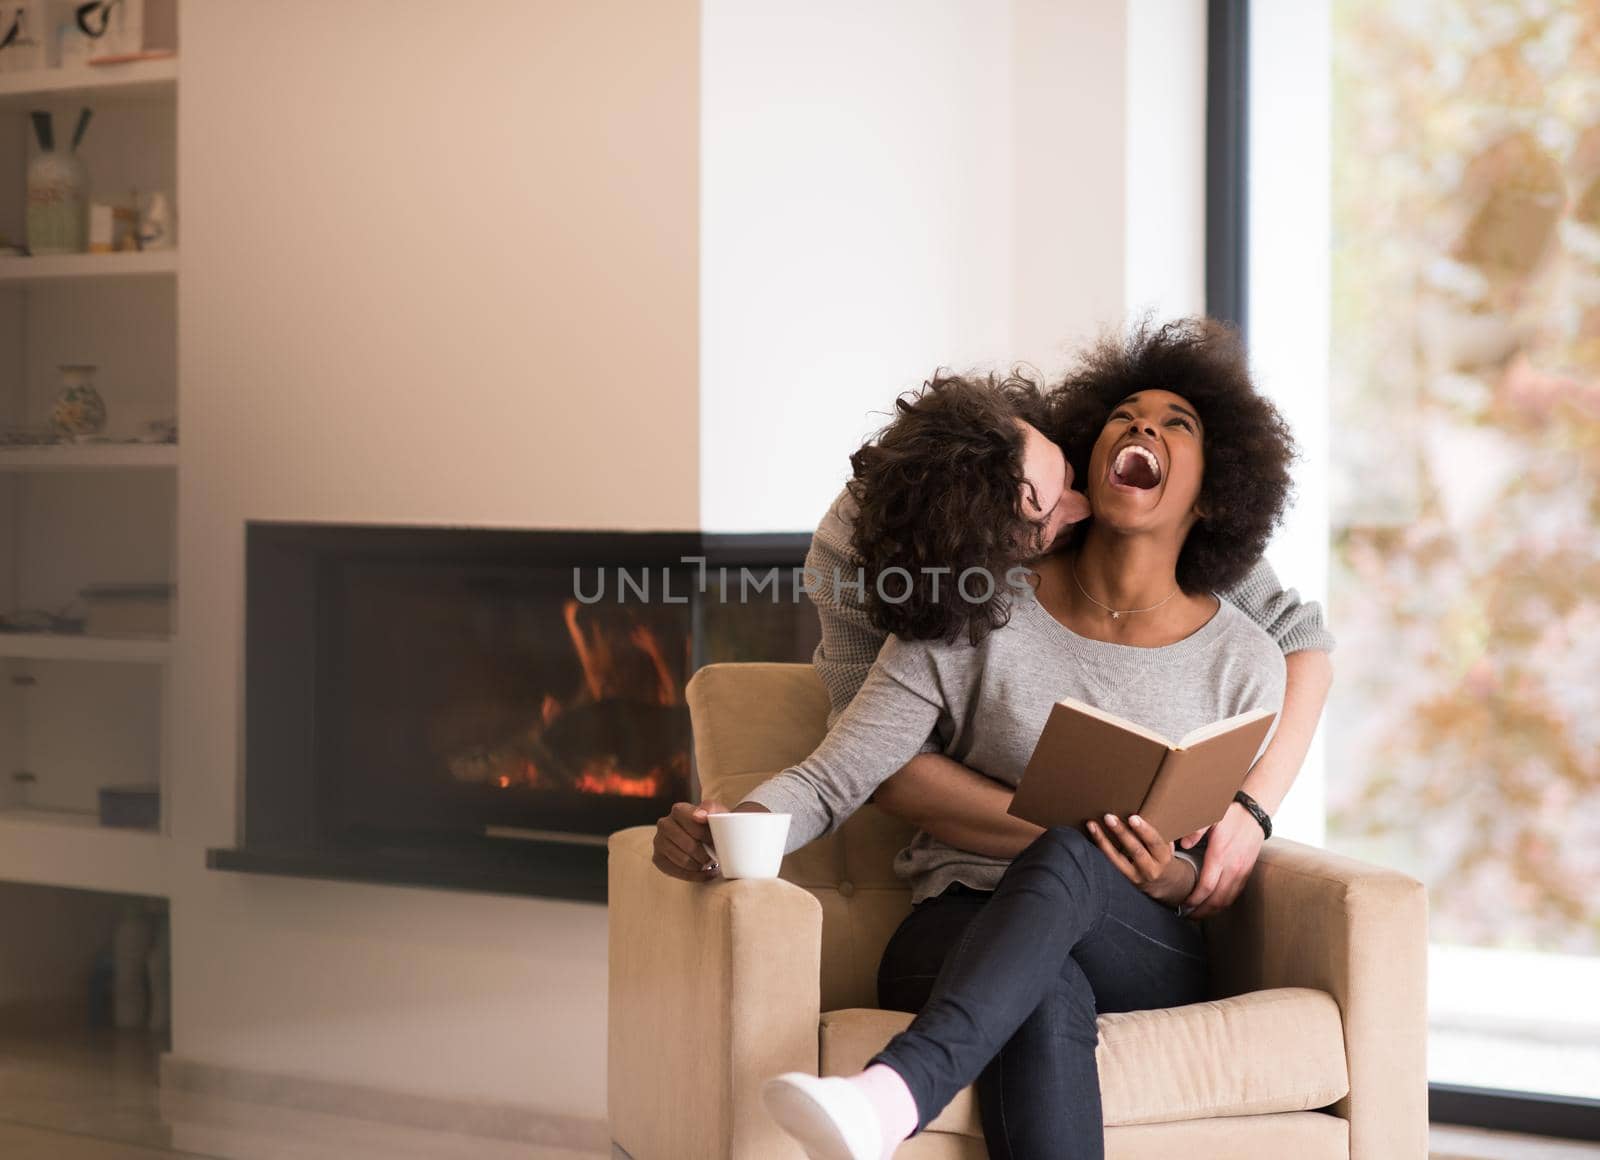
<point x="1311" y="1047"/>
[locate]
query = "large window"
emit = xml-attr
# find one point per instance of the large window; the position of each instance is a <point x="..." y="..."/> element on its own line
<point x="1424" y="293"/>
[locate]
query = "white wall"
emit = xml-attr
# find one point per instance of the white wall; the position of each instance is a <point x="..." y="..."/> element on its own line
<point x="1165" y="241"/>
<point x="856" y="217"/>
<point x="434" y="270"/>
<point x="892" y="186"/>
<point x="1069" y="182"/>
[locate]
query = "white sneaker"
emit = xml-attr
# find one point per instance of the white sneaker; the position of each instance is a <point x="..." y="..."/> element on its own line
<point x="830" y="1117"/>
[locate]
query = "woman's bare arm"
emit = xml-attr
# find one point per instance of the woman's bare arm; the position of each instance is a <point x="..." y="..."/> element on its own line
<point x="1308" y="678"/>
<point x="957" y="805"/>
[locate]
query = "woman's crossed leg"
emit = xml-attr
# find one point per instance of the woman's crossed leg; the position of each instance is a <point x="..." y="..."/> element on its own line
<point x="1008" y="988"/>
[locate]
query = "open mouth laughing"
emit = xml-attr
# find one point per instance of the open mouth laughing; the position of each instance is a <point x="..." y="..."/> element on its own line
<point x="1136" y="467"/>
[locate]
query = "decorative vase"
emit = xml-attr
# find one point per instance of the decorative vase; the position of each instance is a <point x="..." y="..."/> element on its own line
<point x="79" y="411"/>
<point x="58" y="187"/>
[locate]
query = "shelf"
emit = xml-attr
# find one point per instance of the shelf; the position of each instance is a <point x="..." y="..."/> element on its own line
<point x="52" y="267"/>
<point x="88" y="456"/>
<point x="62" y="646"/>
<point x="38" y="815"/>
<point x="141" y="79"/>
<point x="54" y="848"/>
<point x="545" y="870"/>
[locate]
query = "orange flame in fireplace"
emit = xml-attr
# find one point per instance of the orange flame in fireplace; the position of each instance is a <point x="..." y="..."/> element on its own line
<point x="601" y="775"/>
<point x="597" y="657"/>
<point x="622" y="661"/>
<point x="524" y="773"/>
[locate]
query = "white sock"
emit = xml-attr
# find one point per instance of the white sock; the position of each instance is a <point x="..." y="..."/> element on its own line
<point x="892" y="1100"/>
<point x="835" y="1118"/>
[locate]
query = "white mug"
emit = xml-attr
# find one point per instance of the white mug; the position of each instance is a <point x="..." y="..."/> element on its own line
<point x="749" y="845"/>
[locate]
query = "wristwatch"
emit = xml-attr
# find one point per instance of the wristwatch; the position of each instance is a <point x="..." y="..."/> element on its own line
<point x="1259" y="814"/>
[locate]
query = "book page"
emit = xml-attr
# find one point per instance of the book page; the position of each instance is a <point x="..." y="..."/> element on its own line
<point x="1207" y="732"/>
<point x="1112" y="719"/>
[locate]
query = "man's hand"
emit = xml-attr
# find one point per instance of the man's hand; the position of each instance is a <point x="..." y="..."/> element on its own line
<point x="1230" y="857"/>
<point x="683" y="841"/>
<point x="1144" y="858"/>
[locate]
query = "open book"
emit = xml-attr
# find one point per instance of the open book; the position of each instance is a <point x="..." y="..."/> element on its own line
<point x="1089" y="763"/>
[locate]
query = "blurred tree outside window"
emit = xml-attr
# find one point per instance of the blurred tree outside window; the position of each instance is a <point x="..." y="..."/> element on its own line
<point x="1464" y="383"/>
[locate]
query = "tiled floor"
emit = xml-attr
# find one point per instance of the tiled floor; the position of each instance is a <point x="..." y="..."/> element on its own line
<point x="18" y="1142"/>
<point x="93" y="1096"/>
<point x="21" y="1143"/>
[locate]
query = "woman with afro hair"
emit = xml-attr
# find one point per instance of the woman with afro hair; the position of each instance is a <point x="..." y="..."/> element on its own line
<point x="1006" y="962"/>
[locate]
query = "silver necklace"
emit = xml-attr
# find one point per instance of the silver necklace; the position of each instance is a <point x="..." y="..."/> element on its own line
<point x="1116" y="613"/>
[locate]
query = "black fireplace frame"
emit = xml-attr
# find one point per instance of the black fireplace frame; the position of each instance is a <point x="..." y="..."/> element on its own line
<point x="290" y="567"/>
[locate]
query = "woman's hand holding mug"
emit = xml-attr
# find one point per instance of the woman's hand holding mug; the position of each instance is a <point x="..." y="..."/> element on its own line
<point x="683" y="841"/>
<point x="685" y="845"/>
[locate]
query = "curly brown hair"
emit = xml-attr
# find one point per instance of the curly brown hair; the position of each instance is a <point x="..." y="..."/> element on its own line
<point x="939" y="492"/>
<point x="1247" y="444"/>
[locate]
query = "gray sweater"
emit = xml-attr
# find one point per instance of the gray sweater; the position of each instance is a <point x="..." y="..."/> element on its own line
<point x="987" y="704"/>
<point x="850" y="642"/>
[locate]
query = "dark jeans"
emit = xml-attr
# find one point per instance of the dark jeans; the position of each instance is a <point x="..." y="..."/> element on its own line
<point x="1007" y="986"/>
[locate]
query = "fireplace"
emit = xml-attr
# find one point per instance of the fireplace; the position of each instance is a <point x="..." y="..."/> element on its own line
<point x="480" y="708"/>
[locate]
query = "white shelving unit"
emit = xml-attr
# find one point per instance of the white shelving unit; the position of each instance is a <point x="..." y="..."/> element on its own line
<point x="46" y="646"/>
<point x="156" y="263"/>
<point x="61" y="848"/>
<point x="89" y="456"/>
<point x="136" y="79"/>
<point x="78" y="712"/>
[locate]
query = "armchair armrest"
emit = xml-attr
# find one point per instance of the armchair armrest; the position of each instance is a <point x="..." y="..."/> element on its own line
<point x="1308" y="917"/>
<point x="713" y="988"/>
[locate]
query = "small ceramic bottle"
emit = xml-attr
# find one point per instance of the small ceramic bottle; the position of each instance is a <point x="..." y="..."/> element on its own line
<point x="79" y="412"/>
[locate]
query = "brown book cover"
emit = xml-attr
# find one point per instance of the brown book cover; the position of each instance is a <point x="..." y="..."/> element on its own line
<point x="1089" y="763"/>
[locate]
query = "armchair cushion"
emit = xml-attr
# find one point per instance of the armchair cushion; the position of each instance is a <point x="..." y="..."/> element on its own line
<point x="1280" y="1050"/>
